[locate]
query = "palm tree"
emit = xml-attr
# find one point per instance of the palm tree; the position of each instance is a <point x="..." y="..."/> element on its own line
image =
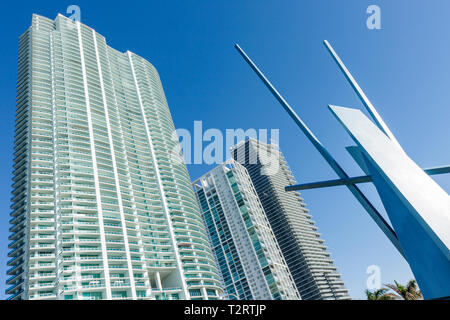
<point x="409" y="292"/>
<point x="379" y="294"/>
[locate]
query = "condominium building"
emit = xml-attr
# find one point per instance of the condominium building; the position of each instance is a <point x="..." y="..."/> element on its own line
<point x="247" y="253"/>
<point x="101" y="207"/>
<point x="308" y="259"/>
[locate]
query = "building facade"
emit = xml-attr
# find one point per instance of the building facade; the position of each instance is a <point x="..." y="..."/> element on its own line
<point x="247" y="253"/>
<point x="101" y="208"/>
<point x="309" y="262"/>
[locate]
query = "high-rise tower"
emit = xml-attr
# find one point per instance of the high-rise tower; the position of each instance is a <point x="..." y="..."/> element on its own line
<point x="313" y="271"/>
<point x="249" y="258"/>
<point x="101" y="210"/>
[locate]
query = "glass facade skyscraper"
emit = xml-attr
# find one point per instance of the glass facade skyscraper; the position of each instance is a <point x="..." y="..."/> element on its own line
<point x="101" y="209"/>
<point x="309" y="261"/>
<point x="247" y="253"/>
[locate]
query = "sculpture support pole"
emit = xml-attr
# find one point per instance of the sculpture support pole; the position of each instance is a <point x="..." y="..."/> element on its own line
<point x="373" y="212"/>
<point x="356" y="180"/>
<point x="367" y="104"/>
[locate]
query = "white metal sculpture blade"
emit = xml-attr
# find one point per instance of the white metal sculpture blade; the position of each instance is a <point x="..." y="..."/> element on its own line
<point x="419" y="209"/>
<point x="421" y="191"/>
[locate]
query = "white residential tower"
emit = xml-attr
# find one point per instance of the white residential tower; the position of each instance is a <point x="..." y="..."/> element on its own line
<point x="101" y="208"/>
<point x="249" y="258"/>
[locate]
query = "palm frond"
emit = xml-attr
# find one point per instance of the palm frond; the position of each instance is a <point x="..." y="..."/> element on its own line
<point x="388" y="296"/>
<point x="394" y="288"/>
<point x="408" y="292"/>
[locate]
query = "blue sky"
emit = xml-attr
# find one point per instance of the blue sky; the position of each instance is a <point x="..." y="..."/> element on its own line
<point x="404" y="69"/>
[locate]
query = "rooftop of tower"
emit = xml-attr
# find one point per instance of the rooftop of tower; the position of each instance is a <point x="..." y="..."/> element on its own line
<point x="36" y="18"/>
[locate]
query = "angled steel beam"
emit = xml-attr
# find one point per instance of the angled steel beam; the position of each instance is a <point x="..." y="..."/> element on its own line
<point x="373" y="212"/>
<point x="367" y="104"/>
<point x="437" y="170"/>
<point x="328" y="183"/>
<point x="355" y="180"/>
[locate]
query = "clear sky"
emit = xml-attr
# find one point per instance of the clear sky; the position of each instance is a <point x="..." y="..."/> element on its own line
<point x="404" y="69"/>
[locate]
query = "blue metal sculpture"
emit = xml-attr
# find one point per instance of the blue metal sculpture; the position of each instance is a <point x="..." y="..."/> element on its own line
<point x="418" y="208"/>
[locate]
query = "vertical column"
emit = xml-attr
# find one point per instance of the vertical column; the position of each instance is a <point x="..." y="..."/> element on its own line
<point x="158" y="280"/>
<point x="129" y="181"/>
<point x="58" y="249"/>
<point x="204" y="293"/>
<point x="94" y="166"/>
<point x="158" y="177"/>
<point x="116" y="175"/>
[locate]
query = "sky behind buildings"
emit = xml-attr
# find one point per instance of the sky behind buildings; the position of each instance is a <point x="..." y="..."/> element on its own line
<point x="404" y="68"/>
